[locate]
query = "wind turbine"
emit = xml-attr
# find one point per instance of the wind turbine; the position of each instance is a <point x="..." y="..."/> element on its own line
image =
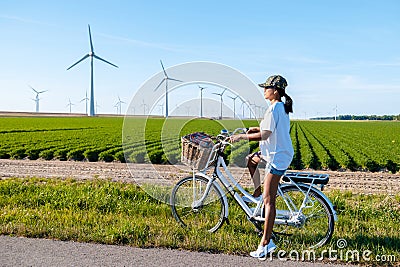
<point x="70" y="105"/>
<point x="188" y="110"/>
<point x="201" y="100"/>
<point x="335" y="109"/>
<point x="220" y="94"/>
<point x="162" y="108"/>
<point x="118" y="104"/>
<point x="166" y="78"/>
<point x="37" y="97"/>
<point x="144" y="107"/>
<point x="234" y="105"/>
<point x="86" y="100"/>
<point x="97" y="107"/>
<point x="92" y="55"/>
<point x="242" y="107"/>
<point x="253" y="108"/>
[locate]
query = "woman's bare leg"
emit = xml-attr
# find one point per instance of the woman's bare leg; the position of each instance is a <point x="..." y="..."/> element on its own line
<point x="252" y="163"/>
<point x="271" y="183"/>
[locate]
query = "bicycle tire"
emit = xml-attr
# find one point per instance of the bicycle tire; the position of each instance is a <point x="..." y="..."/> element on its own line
<point x="319" y="222"/>
<point x="209" y="216"/>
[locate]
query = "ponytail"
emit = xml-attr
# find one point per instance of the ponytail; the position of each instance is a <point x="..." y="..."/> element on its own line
<point x="288" y="101"/>
<point x="288" y="104"/>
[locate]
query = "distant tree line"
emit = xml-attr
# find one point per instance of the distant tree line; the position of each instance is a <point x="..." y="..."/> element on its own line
<point x="362" y="117"/>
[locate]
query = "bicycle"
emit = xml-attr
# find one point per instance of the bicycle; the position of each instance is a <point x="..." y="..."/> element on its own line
<point x="303" y="213"/>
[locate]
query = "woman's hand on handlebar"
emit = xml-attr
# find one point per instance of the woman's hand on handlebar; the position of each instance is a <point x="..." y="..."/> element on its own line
<point x="237" y="137"/>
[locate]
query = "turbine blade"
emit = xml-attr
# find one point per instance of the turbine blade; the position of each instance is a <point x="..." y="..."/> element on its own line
<point x="86" y="56"/>
<point x="42" y="91"/>
<point x="160" y="84"/>
<point x="165" y="73"/>
<point x="33" y="89"/>
<point x="90" y="38"/>
<point x="105" y="61"/>
<point x="171" y="79"/>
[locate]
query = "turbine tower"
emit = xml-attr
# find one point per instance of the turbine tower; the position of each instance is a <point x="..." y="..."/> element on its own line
<point x="144" y="107"/>
<point x="242" y="107"/>
<point x="37" y="97"/>
<point x="234" y="105"/>
<point x="220" y="94"/>
<point x="201" y="100"/>
<point x="166" y="78"/>
<point x="70" y="105"/>
<point x="97" y="107"/>
<point x="92" y="55"/>
<point x="335" y="109"/>
<point x="86" y="99"/>
<point x="118" y="105"/>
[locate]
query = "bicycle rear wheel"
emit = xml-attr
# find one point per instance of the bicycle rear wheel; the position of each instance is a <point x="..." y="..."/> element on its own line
<point x="315" y="223"/>
<point x="209" y="215"/>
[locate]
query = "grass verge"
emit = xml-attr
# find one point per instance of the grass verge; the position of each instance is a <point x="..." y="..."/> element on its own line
<point x="119" y="213"/>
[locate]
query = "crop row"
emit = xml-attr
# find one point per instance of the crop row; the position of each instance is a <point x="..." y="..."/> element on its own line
<point x="99" y="139"/>
<point x="348" y="145"/>
<point x="330" y="145"/>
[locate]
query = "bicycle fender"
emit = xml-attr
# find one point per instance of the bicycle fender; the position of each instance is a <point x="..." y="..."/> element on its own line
<point x="219" y="188"/>
<point x="305" y="187"/>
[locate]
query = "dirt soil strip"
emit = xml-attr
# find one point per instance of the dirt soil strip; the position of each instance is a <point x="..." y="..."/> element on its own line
<point x="364" y="182"/>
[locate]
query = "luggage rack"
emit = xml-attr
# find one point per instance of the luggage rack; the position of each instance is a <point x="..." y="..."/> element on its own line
<point x="320" y="179"/>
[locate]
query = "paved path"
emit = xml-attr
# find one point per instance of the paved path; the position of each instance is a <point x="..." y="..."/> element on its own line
<point x="17" y="251"/>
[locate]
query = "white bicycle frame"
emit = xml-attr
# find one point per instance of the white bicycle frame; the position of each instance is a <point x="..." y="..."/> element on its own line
<point x="288" y="217"/>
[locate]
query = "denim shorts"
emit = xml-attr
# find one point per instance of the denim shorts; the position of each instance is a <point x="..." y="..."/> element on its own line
<point x="276" y="172"/>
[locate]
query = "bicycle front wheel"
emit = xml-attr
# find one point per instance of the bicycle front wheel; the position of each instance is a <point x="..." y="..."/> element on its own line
<point x="184" y="201"/>
<point x="313" y="226"/>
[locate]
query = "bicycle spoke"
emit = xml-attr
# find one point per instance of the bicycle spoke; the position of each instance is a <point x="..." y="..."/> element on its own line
<point x="322" y="215"/>
<point x="208" y="215"/>
<point x="315" y="228"/>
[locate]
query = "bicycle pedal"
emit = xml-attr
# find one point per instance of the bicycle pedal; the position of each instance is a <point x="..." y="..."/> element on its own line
<point x="227" y="221"/>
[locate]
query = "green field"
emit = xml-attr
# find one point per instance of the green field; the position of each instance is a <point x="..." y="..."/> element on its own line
<point x="366" y="145"/>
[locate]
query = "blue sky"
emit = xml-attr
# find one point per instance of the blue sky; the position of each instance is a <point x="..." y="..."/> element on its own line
<point x="333" y="53"/>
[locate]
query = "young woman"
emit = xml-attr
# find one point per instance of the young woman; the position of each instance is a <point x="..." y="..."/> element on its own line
<point x="275" y="148"/>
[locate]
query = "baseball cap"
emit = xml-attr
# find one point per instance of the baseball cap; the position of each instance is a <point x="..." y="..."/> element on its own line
<point x="276" y="81"/>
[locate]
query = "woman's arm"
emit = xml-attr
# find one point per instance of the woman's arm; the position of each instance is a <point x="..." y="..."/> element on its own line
<point x="265" y="134"/>
<point x="251" y="135"/>
<point x="253" y="130"/>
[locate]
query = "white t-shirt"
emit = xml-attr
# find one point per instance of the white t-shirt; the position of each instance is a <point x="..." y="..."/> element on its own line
<point x="277" y="149"/>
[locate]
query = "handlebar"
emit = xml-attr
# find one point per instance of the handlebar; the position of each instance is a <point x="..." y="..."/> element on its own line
<point x="225" y="135"/>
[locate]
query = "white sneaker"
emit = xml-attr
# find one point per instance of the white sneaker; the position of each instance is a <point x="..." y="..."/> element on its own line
<point x="248" y="200"/>
<point x="262" y="251"/>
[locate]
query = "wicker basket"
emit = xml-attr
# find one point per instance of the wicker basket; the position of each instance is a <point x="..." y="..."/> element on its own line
<point x="196" y="150"/>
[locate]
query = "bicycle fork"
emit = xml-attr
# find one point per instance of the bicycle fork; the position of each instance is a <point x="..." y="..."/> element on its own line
<point x="198" y="203"/>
